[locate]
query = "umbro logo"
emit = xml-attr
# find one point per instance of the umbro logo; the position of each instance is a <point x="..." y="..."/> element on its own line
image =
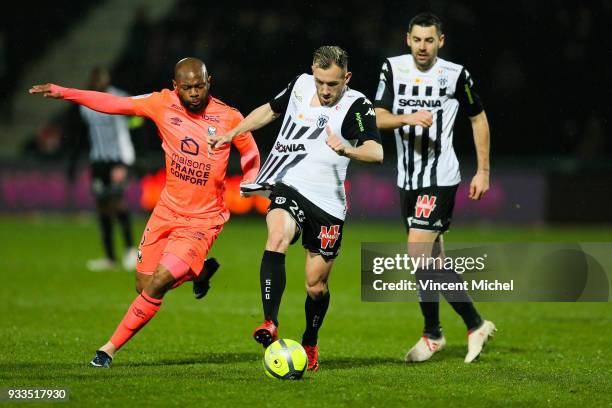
<point x="139" y="313"/>
<point x="176" y="121"/>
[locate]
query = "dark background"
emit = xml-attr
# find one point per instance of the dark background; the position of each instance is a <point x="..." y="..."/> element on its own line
<point x="541" y="67"/>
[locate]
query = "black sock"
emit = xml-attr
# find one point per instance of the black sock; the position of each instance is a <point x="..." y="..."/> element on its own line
<point x="106" y="230"/>
<point x="429" y="301"/>
<point x="468" y="313"/>
<point x="272" y="281"/>
<point x="431" y="314"/>
<point x="461" y="301"/>
<point x="315" y="313"/>
<point x="123" y="216"/>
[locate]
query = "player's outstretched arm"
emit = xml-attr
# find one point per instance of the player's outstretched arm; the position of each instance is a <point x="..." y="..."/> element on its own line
<point x="249" y="156"/>
<point x="99" y="101"/>
<point x="388" y="121"/>
<point x="480" y="182"/>
<point x="369" y="152"/>
<point x="257" y="119"/>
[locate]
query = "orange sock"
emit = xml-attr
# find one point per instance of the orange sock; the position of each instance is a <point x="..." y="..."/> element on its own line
<point x="142" y="309"/>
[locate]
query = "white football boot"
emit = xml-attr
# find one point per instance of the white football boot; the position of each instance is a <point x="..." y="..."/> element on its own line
<point x="477" y="339"/>
<point x="130" y="259"/>
<point x="101" y="265"/>
<point x="424" y="349"/>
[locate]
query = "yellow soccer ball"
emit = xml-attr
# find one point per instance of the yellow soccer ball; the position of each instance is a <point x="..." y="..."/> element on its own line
<point x="285" y="359"/>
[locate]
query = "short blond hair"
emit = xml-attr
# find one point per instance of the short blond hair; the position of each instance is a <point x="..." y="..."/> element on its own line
<point x="325" y="56"/>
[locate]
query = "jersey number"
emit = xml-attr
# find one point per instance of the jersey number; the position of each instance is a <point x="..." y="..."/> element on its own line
<point x="295" y="209"/>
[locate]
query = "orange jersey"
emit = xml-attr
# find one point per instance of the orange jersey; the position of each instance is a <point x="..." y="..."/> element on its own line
<point x="194" y="177"/>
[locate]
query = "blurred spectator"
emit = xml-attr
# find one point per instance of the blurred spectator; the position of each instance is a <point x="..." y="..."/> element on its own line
<point x="111" y="154"/>
<point x="46" y="145"/>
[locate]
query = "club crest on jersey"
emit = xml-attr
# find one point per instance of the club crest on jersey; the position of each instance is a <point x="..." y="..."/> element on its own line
<point x="280" y="200"/>
<point x="190" y="146"/>
<point x="442" y="81"/>
<point x="212" y="131"/>
<point x="329" y="236"/>
<point x="424" y="206"/>
<point x="322" y="121"/>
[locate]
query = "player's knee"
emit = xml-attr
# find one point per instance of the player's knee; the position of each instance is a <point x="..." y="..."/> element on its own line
<point x="419" y="250"/>
<point x="141" y="281"/>
<point x="277" y="241"/>
<point x="316" y="290"/>
<point x="161" y="281"/>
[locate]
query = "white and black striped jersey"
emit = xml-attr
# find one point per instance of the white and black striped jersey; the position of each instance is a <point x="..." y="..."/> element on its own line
<point x="425" y="156"/>
<point x="109" y="135"/>
<point x="300" y="157"/>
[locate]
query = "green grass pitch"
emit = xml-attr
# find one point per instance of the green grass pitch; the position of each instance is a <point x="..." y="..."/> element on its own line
<point x="54" y="313"/>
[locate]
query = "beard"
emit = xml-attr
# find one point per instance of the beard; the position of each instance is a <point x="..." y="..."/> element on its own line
<point x="187" y="104"/>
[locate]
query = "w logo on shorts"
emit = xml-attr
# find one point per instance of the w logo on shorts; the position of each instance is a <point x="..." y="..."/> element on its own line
<point x="424" y="206"/>
<point x="329" y="236"/>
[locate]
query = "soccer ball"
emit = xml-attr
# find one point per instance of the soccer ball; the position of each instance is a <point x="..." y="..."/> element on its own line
<point x="285" y="359"/>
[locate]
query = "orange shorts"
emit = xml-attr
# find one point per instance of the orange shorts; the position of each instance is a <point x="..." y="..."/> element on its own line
<point x="188" y="238"/>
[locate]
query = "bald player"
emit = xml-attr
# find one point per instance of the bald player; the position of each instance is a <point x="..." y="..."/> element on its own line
<point x="191" y="211"/>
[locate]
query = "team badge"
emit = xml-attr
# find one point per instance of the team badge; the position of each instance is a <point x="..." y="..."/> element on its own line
<point x="212" y="131"/>
<point x="322" y="121"/>
<point x="280" y="200"/>
<point x="442" y="81"/>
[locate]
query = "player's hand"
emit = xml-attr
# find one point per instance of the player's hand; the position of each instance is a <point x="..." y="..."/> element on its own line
<point x="335" y="143"/>
<point x="479" y="185"/>
<point x="422" y="118"/>
<point x="215" y="141"/>
<point x="47" y="90"/>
